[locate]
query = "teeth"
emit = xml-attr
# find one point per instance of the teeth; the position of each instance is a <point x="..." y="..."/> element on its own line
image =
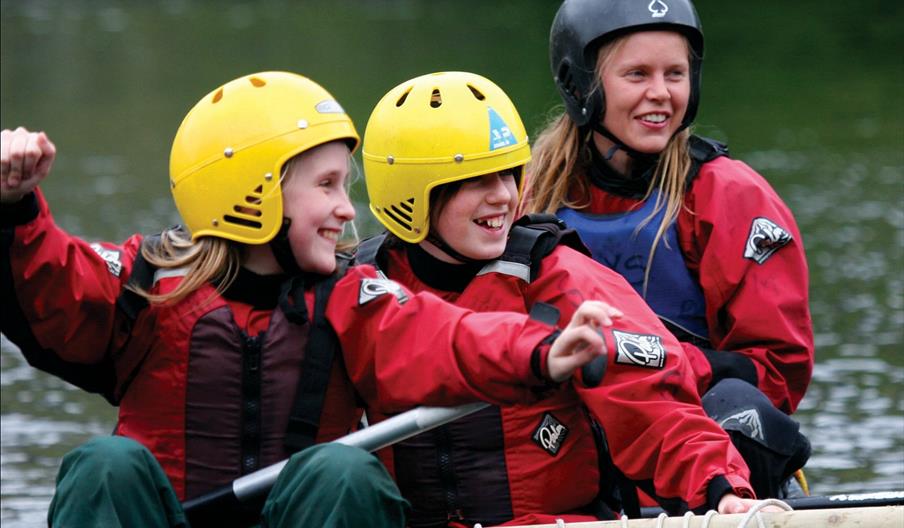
<point x="331" y="235"/>
<point x="494" y="222"/>
<point x="654" y="118"/>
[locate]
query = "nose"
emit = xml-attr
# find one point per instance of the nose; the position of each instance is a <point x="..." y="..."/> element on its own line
<point x="344" y="209"/>
<point x="658" y="89"/>
<point x="498" y="190"/>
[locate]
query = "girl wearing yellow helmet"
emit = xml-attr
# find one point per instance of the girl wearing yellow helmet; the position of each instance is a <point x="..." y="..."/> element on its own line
<point x="220" y="340"/>
<point x="443" y="155"/>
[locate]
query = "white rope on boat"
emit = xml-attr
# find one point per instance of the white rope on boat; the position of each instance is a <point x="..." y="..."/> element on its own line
<point x="754" y="512"/>
<point x="660" y="520"/>
<point x="706" y="518"/>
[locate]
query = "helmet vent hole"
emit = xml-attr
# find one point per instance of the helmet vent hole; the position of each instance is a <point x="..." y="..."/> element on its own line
<point x="245" y="222"/>
<point x="477" y="93"/>
<point x="401" y="100"/>
<point x="250" y="211"/>
<point x="436" y="100"/>
<point x="257" y="82"/>
<point x="399" y="215"/>
<point x="217" y="96"/>
<point x="259" y="189"/>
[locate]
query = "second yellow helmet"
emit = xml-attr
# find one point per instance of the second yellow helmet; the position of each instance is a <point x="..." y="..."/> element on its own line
<point x="435" y="129"/>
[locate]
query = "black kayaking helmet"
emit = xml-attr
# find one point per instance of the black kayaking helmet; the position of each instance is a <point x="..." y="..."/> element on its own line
<point x="581" y="27"/>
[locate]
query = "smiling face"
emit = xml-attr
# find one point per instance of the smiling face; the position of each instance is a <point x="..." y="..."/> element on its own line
<point x="646" y="78"/>
<point x="475" y="220"/>
<point x="315" y="199"/>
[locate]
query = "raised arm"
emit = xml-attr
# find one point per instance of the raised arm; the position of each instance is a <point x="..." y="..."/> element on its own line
<point x="59" y="291"/>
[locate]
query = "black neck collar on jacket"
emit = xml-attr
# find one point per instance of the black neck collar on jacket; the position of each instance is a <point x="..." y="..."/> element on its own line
<point x="260" y="291"/>
<point x="438" y="274"/>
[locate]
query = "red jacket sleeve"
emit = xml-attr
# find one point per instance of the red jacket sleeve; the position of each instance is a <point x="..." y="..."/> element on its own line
<point x="66" y="288"/>
<point x="756" y="301"/>
<point x="403" y="350"/>
<point x="647" y="402"/>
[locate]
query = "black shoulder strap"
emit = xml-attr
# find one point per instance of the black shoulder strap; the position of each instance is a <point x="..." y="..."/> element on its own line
<point x="304" y="420"/>
<point x="702" y="150"/>
<point x="129" y="302"/>
<point x="535" y="236"/>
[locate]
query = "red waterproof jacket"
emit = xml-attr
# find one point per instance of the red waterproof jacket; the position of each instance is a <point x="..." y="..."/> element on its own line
<point x="757" y="312"/>
<point x="207" y="383"/>
<point x="532" y="463"/>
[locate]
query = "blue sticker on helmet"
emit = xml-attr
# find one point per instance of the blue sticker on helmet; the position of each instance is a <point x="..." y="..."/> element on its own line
<point x="500" y="135"/>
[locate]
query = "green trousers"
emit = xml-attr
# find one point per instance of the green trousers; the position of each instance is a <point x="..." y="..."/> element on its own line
<point x="116" y="482"/>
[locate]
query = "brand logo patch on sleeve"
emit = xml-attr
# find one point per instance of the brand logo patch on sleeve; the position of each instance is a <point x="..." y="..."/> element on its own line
<point x="373" y="288"/>
<point x="765" y="238"/>
<point x="111" y="257"/>
<point x="550" y="434"/>
<point x="642" y="350"/>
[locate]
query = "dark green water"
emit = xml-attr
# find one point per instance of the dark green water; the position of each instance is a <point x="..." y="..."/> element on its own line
<point x="807" y="92"/>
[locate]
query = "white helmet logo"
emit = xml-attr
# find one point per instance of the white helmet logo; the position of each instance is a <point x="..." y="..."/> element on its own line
<point x="658" y="8"/>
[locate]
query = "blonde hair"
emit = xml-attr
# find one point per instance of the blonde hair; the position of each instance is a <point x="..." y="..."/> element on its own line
<point x="212" y="259"/>
<point x="558" y="173"/>
<point x="206" y="260"/>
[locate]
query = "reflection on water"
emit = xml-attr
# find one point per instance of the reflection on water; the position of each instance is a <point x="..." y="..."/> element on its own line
<point x="110" y="80"/>
<point x="42" y="418"/>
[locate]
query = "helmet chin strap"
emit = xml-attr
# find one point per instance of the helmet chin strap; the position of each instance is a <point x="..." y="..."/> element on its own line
<point x="282" y="250"/>
<point x="443" y="246"/>
<point x="620" y="145"/>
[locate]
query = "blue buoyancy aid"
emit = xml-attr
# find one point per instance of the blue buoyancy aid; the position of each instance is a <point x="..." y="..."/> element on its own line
<point x="615" y="241"/>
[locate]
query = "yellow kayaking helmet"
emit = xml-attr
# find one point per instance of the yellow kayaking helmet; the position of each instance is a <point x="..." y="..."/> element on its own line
<point x="431" y="130"/>
<point x="229" y="150"/>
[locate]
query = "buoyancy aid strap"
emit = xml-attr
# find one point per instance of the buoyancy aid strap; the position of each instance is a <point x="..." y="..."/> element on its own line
<point x="516" y="260"/>
<point x="703" y="150"/>
<point x="323" y="344"/>
<point x="143" y="274"/>
<point x="533" y="237"/>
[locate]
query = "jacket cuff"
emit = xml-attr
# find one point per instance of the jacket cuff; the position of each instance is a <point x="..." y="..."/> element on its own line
<point x="539" y="361"/>
<point x="717" y="488"/>
<point x="21" y="212"/>
<point x="727" y="364"/>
